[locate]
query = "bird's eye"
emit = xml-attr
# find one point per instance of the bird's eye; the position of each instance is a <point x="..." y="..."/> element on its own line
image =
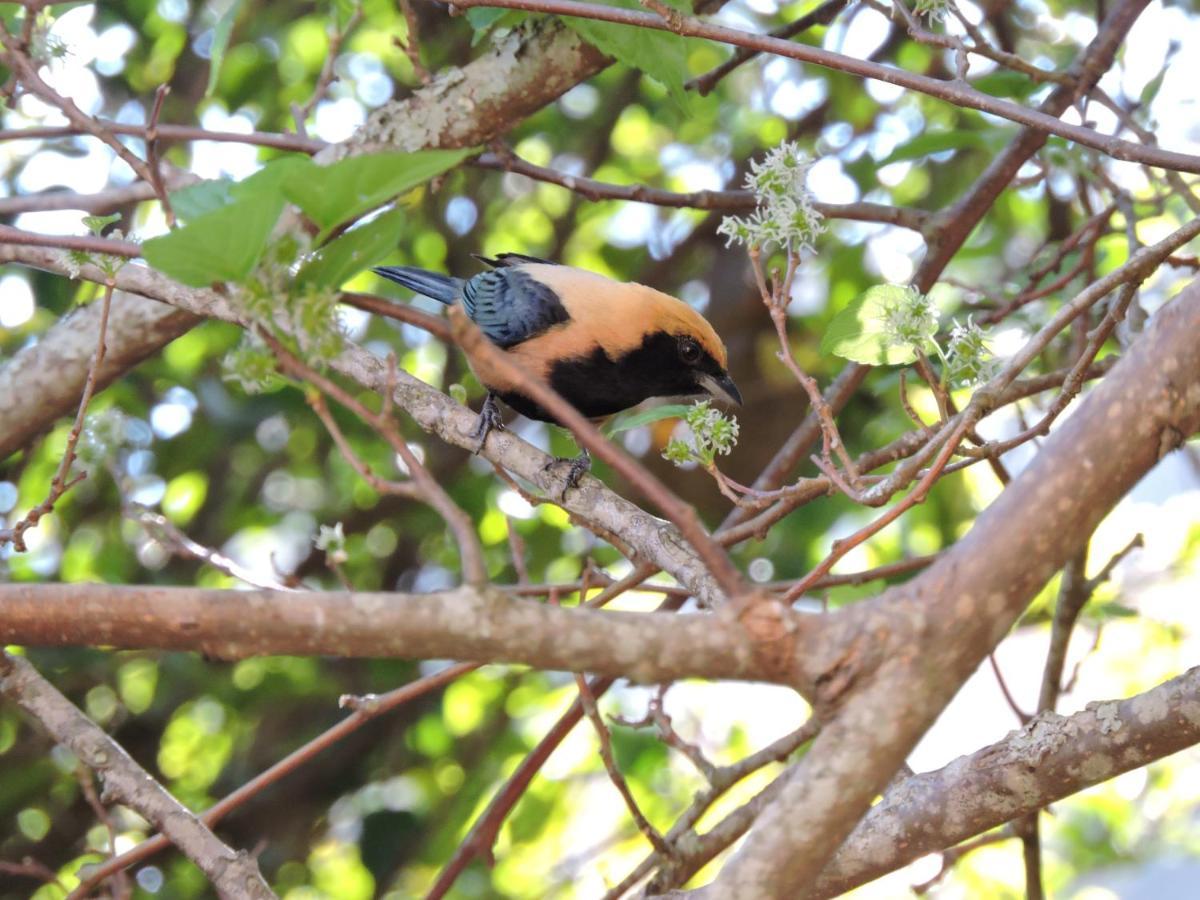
<point x="689" y="351"/>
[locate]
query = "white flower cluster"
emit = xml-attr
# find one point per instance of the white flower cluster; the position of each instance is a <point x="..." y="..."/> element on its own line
<point x="785" y="216"/>
<point x="332" y="540"/>
<point x="251" y="365"/>
<point x="969" y="359"/>
<point x="712" y="433"/>
<point x="909" y="319"/>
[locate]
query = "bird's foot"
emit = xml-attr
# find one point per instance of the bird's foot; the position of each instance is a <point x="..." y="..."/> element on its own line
<point x="577" y="466"/>
<point x="489" y="419"/>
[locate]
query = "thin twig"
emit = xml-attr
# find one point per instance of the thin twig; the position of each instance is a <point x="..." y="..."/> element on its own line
<point x="505" y="160"/>
<point x="276" y="140"/>
<point x="614" y="773"/>
<point x="691" y="851"/>
<point x="121" y="887"/>
<point x="31" y="868"/>
<point x="1022" y="716"/>
<point x="822" y="15"/>
<point x="152" y="167"/>
<point x="27" y="73"/>
<point x="916" y="495"/>
<point x="460" y="524"/>
<point x="411" y="43"/>
<point x="301" y="112"/>
<point x="657" y="716"/>
<point x="62" y="480"/>
<point x="951" y="857"/>
<point x="168" y="534"/>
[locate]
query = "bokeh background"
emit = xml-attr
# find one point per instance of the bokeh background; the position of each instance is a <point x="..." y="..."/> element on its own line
<point x="255" y="476"/>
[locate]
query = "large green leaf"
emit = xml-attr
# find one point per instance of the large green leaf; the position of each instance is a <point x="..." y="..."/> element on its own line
<point x="862" y="332"/>
<point x="330" y="195"/>
<point x="221" y="245"/>
<point x="203" y="197"/>
<point x="353" y="251"/>
<point x="660" y="54"/>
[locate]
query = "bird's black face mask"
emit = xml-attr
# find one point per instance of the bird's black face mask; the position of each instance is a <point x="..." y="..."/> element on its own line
<point x="664" y="365"/>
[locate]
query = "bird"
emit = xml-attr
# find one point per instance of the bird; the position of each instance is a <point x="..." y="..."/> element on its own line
<point x="603" y="345"/>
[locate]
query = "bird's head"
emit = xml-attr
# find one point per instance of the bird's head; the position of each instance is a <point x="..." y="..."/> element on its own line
<point x="624" y="342"/>
<point x="663" y="347"/>
<point x="683" y="355"/>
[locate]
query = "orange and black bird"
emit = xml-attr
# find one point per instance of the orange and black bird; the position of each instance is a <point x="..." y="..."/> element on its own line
<point x="604" y="345"/>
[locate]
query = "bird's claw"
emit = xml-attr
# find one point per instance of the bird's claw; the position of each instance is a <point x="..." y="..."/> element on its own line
<point x="489" y="420"/>
<point x="578" y="466"/>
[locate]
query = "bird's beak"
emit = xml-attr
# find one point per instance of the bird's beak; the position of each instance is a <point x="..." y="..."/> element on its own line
<point x="722" y="388"/>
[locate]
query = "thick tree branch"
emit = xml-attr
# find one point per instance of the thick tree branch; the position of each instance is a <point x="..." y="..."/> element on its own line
<point x="526" y="69"/>
<point x="40" y="384"/>
<point x="1050" y="758"/>
<point x="961" y="607"/>
<point x="468" y="623"/>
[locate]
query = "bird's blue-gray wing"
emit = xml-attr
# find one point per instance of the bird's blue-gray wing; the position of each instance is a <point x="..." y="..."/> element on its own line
<point x="510" y="306"/>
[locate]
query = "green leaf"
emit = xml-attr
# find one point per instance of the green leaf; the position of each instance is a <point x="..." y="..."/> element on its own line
<point x="860" y="331"/>
<point x="935" y="142"/>
<point x="220" y="43"/>
<point x="484" y="18"/>
<point x="648" y="416"/>
<point x="330" y="195"/>
<point x="221" y="245"/>
<point x="1150" y="91"/>
<point x="197" y="199"/>
<point x="96" y="224"/>
<point x="353" y="251"/>
<point x="1005" y="83"/>
<point x="659" y="54"/>
<point x="203" y="197"/>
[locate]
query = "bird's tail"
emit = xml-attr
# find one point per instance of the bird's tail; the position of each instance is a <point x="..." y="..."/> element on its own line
<point x="444" y="288"/>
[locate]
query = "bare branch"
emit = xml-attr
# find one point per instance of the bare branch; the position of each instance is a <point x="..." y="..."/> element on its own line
<point x="731" y="200"/>
<point x="1043" y="758"/>
<point x="62" y="480"/>
<point x="365" y="710"/>
<point x="468" y="623"/>
<point x="235" y="875"/>
<point x="951" y="91"/>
